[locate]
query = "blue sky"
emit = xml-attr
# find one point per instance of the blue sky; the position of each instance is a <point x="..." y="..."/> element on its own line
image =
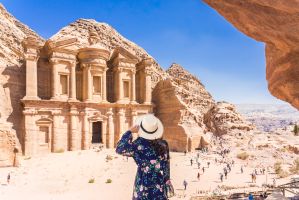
<point x="230" y="64"/>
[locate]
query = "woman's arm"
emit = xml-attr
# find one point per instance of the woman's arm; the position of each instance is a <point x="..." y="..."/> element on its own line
<point x="125" y="146"/>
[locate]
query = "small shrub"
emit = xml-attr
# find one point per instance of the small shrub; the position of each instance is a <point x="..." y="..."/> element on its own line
<point x="108" y="180"/>
<point x="295" y="168"/>
<point x="92" y="180"/>
<point x="242" y="155"/>
<point x="59" y="150"/>
<point x="283" y="174"/>
<point x="277" y="167"/>
<point x="283" y="149"/>
<point x="279" y="171"/>
<point x="108" y="157"/>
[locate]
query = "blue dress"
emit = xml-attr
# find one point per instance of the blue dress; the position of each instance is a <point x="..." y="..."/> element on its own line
<point x="153" y="171"/>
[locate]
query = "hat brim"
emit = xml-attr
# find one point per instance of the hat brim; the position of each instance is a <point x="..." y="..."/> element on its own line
<point x="158" y="134"/>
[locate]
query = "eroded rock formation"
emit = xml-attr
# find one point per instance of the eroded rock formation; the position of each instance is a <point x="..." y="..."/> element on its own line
<point x="181" y="102"/>
<point x="223" y="118"/>
<point x="9" y="145"/>
<point x="189" y="114"/>
<point x="12" y="81"/>
<point x="276" y="23"/>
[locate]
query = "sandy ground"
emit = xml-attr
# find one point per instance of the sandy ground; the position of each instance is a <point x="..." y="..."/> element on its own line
<point x="65" y="176"/>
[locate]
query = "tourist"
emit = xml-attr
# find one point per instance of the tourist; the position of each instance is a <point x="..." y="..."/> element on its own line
<point x="250" y="197"/>
<point x="225" y="174"/>
<point x="191" y="161"/>
<point x="198" y="165"/>
<point x="253" y="178"/>
<point x="242" y="170"/>
<point x="208" y="164"/>
<point x="8" y="178"/>
<point x="221" y="177"/>
<point x="185" y="152"/>
<point x="149" y="151"/>
<point x="185" y="184"/>
<point x="198" y="176"/>
<point x="203" y="169"/>
<point x="224" y="170"/>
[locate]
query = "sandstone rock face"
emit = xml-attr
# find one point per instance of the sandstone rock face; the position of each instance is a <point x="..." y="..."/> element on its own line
<point x="8" y="143"/>
<point x="276" y="23"/>
<point x="108" y="38"/>
<point x="181" y="102"/>
<point x="223" y="118"/>
<point x="12" y="81"/>
<point x="190" y="115"/>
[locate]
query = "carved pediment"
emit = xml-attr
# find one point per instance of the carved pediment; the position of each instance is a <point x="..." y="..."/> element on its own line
<point x="69" y="45"/>
<point x="122" y="55"/>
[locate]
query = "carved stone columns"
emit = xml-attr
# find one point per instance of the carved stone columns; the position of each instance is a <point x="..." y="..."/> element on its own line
<point x="30" y="132"/>
<point x="72" y="96"/>
<point x="85" y="129"/>
<point x="110" y="143"/>
<point x="31" y="57"/>
<point x="54" y="79"/>
<point x="120" y="122"/>
<point x="55" y="142"/>
<point x="133" y="86"/>
<point x="74" y="135"/>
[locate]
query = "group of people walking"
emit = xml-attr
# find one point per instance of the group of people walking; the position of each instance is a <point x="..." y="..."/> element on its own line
<point x="227" y="169"/>
<point x="201" y="168"/>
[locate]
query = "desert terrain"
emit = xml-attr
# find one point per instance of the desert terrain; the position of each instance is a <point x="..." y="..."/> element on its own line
<point x="94" y="174"/>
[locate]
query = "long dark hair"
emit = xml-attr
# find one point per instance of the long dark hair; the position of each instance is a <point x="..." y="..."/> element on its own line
<point x="160" y="147"/>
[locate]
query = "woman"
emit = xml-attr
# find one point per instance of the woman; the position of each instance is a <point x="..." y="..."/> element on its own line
<point x="151" y="155"/>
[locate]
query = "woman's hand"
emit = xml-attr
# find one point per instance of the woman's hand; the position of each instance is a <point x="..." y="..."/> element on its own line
<point x="134" y="129"/>
<point x="168" y="182"/>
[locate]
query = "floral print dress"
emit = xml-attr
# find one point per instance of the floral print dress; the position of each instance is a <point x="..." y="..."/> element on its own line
<point x="153" y="171"/>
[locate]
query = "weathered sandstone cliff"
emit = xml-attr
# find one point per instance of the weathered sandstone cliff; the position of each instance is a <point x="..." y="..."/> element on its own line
<point x="12" y="81"/>
<point x="189" y="114"/>
<point x="276" y="23"/>
<point x="223" y="118"/>
<point x="180" y="103"/>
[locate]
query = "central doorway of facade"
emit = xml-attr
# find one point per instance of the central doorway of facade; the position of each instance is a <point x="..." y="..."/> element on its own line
<point x="97" y="132"/>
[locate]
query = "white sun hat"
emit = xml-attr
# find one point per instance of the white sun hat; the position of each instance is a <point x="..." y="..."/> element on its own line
<point x="150" y="127"/>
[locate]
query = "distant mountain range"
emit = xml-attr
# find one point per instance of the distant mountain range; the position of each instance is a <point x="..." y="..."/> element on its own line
<point x="269" y="117"/>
